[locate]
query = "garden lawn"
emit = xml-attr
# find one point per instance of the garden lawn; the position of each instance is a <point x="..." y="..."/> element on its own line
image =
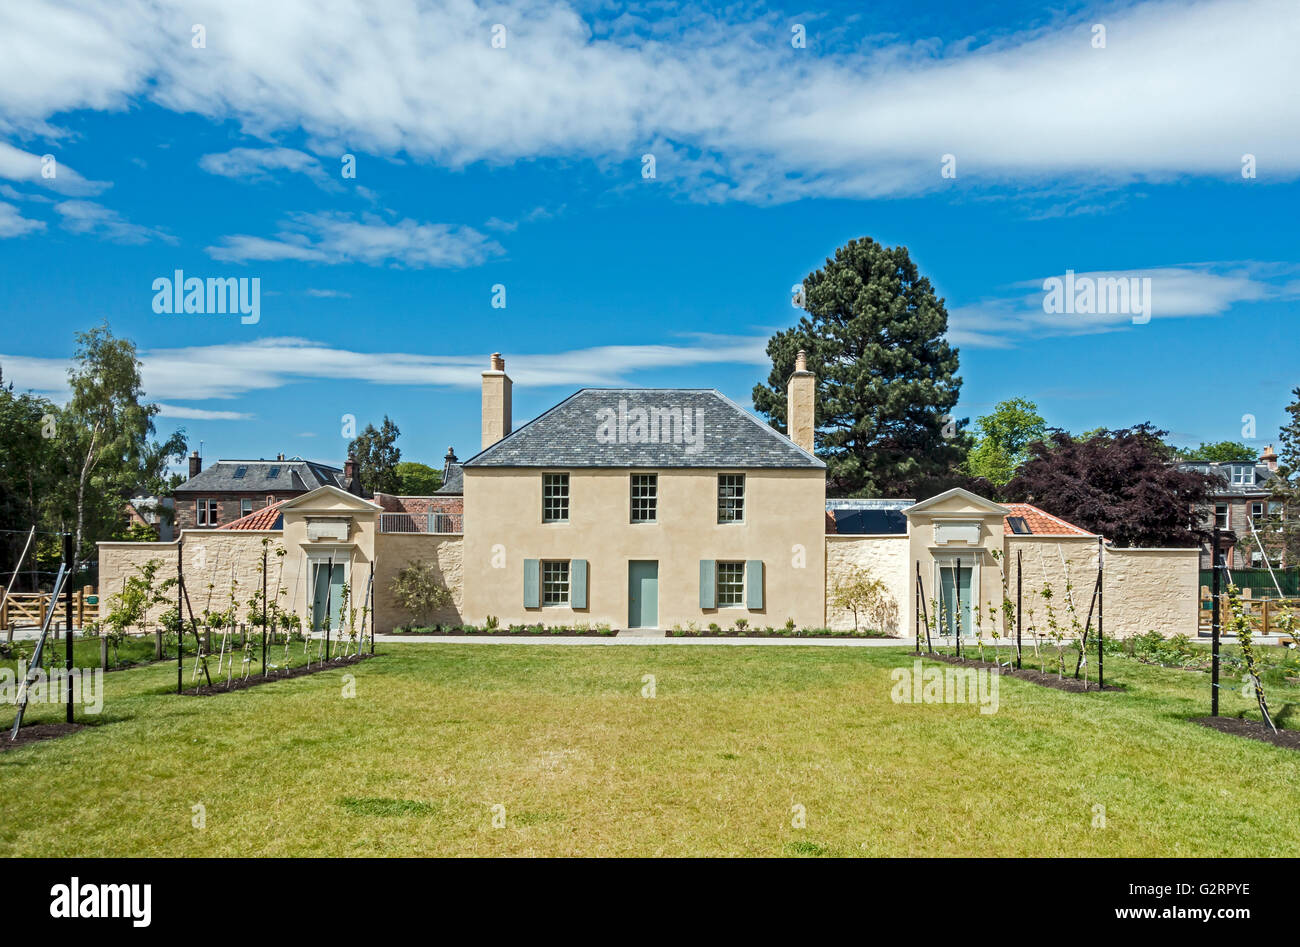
<point x="560" y="736"/>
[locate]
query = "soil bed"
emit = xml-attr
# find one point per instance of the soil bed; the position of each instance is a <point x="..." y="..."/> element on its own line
<point x="1252" y="730"/>
<point x="1028" y="674"/>
<point x="506" y="632"/>
<point x="38" y="732"/>
<point x="256" y="678"/>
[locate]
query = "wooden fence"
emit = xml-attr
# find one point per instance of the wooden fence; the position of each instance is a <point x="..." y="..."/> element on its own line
<point x="1262" y="613"/>
<point x="28" y="608"/>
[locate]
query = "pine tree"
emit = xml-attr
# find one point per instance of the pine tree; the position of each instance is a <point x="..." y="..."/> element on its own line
<point x="886" y="377"/>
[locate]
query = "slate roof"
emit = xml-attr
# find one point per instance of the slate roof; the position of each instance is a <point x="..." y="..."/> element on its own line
<point x="453" y="481"/>
<point x="297" y="474"/>
<point x="1223" y="471"/>
<point x="597" y="427"/>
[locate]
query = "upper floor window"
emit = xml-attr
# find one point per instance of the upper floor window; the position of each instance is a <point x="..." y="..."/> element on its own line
<point x="245" y="506"/>
<point x="205" y="512"/>
<point x="645" y="498"/>
<point x="731" y="498"/>
<point x="1243" y="474"/>
<point x="1256" y="511"/>
<point x="555" y="582"/>
<point x="731" y="583"/>
<point x="555" y="498"/>
<point x="1221" y="515"/>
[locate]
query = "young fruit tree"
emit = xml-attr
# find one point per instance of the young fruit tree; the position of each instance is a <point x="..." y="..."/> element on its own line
<point x="418" y="588"/>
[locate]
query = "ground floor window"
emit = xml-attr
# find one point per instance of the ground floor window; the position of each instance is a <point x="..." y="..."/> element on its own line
<point x="555" y="582"/>
<point x="731" y="583"/>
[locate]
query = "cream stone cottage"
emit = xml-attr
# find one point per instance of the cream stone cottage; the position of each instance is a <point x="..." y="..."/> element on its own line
<point x="646" y="509"/>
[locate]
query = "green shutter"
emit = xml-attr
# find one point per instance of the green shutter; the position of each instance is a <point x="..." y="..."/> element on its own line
<point x="754" y="583"/>
<point x="532" y="583"/>
<point x="578" y="583"/>
<point x="708" y="584"/>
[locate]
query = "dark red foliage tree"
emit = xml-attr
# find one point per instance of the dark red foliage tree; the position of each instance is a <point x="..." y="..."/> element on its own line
<point x="1117" y="483"/>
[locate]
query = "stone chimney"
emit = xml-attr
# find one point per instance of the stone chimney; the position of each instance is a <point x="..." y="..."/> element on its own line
<point x="280" y="456"/>
<point x="1269" y="457"/>
<point x="447" y="461"/>
<point x="350" y="468"/>
<point x="496" y="401"/>
<point x="195" y="464"/>
<point x="800" y="396"/>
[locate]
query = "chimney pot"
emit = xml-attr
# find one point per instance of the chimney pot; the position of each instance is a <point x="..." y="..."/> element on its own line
<point x="801" y="361"/>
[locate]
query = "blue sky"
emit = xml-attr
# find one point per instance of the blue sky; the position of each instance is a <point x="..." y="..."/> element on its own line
<point x="522" y="166"/>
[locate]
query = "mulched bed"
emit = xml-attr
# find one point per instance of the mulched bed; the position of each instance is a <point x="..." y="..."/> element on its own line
<point x="1067" y="683"/>
<point x="256" y="678"/>
<point x="38" y="732"/>
<point x="1252" y="729"/>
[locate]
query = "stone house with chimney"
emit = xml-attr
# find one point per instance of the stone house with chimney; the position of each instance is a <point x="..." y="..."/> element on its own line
<point x="1243" y="497"/>
<point x="230" y="489"/>
<point x="649" y="508"/>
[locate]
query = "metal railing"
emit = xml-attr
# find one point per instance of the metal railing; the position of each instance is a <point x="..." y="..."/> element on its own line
<point x="446" y="523"/>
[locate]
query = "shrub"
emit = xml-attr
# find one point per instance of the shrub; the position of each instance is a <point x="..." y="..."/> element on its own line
<point x="418" y="588"/>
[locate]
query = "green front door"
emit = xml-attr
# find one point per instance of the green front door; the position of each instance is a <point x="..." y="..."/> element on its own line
<point x="954" y="597"/>
<point x="327" y="587"/>
<point x="642" y="594"/>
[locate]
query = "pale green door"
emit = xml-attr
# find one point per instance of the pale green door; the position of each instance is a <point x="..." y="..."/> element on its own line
<point x="327" y="587"/>
<point x="954" y="598"/>
<point x="642" y="594"/>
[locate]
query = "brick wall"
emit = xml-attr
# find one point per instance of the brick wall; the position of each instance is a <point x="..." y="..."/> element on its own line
<point x="228" y="506"/>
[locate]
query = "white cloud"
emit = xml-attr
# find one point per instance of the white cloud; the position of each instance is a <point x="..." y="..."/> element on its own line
<point x="87" y="217"/>
<point x="14" y="224"/>
<point x="1188" y="290"/>
<point x="19" y="165"/>
<point x="199" y="373"/>
<point x="1182" y="88"/>
<point x="180" y="413"/>
<point x="253" y="164"/>
<point x="329" y="294"/>
<point x="345" y="238"/>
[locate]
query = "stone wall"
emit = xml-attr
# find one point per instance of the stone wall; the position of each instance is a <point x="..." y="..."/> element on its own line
<point x="392" y="553"/>
<point x="210" y="558"/>
<point x="1145" y="589"/>
<point x="886" y="558"/>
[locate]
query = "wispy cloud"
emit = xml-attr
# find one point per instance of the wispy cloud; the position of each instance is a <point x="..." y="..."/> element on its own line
<point x="88" y="217"/>
<point x="14" y="224"/>
<point x="329" y="294"/>
<point x="345" y="238"/>
<point x="200" y="373"/>
<point x="19" y="165"/>
<point x="257" y="164"/>
<point x="1188" y="290"/>
<point x="1182" y="88"/>
<point x="180" y="413"/>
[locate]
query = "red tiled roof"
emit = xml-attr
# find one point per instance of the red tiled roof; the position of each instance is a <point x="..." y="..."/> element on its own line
<point x="266" y="518"/>
<point x="1041" y="523"/>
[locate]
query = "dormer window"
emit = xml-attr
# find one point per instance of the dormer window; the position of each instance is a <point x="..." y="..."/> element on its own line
<point x="1243" y="475"/>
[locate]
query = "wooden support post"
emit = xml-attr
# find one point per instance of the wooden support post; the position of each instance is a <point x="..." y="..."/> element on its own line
<point x="103" y="651"/>
<point x="157" y="644"/>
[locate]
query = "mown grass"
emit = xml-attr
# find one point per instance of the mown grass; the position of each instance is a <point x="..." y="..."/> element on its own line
<point x="441" y="736"/>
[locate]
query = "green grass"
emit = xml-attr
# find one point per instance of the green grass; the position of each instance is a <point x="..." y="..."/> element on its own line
<point x="440" y="735"/>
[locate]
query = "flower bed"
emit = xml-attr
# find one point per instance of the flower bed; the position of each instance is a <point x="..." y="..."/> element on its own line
<point x="713" y="631"/>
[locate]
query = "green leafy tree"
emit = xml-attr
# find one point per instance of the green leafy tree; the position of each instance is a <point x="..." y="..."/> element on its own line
<point x="30" y="468"/>
<point x="417" y="480"/>
<point x="103" y="434"/>
<point x="1003" y="439"/>
<point x="886" y="376"/>
<point x="1220" y="451"/>
<point x="377" y="456"/>
<point x="419" y="588"/>
<point x="1279" y="531"/>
